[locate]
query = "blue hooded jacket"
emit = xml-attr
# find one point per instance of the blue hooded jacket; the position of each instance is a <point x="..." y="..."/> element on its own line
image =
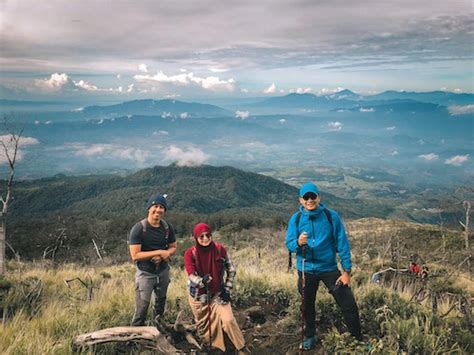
<point x="323" y="244"/>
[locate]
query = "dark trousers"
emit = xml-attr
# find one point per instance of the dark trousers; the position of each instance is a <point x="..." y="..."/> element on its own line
<point x="342" y="295"/>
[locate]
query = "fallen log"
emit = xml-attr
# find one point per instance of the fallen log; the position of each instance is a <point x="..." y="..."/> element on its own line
<point x="178" y="329"/>
<point x="147" y="336"/>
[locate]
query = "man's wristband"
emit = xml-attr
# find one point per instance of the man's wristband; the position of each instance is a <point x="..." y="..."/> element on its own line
<point x="348" y="271"/>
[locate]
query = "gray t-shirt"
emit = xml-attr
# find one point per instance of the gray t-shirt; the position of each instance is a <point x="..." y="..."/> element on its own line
<point x="153" y="238"/>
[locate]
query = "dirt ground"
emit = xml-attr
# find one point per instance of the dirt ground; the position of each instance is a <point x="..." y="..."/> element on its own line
<point x="262" y="336"/>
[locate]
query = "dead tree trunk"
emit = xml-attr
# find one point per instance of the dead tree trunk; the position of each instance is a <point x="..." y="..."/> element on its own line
<point x="467" y="206"/>
<point x="10" y="145"/>
<point x="3" y="240"/>
<point x="148" y="336"/>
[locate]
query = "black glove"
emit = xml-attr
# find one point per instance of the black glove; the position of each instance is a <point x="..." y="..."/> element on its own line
<point x="206" y="279"/>
<point x="225" y="296"/>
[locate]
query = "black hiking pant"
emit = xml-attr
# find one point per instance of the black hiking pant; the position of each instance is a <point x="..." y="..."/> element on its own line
<point x="342" y="295"/>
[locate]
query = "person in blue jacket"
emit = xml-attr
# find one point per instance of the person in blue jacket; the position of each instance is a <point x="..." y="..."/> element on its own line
<point x="316" y="234"/>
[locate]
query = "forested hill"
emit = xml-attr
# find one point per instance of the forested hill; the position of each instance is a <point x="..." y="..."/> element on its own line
<point x="204" y="189"/>
<point x="66" y="212"/>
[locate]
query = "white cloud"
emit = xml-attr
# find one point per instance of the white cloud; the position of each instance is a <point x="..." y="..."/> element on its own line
<point x="242" y="114"/>
<point x="391" y="128"/>
<point x="326" y="91"/>
<point x="143" y="68"/>
<point x="394" y="153"/>
<point x="85" y="85"/>
<point x="24" y="141"/>
<point x="457" y="160"/>
<point x="271" y="89"/>
<point x="55" y="83"/>
<point x="183" y="115"/>
<point x="62" y="82"/>
<point x="218" y="70"/>
<point x="191" y="157"/>
<point x="212" y="83"/>
<point x="107" y="151"/>
<point x="335" y="126"/>
<point x="460" y="110"/>
<point x="429" y="157"/>
<point x="301" y="90"/>
<point x="363" y="109"/>
<point x="245" y="91"/>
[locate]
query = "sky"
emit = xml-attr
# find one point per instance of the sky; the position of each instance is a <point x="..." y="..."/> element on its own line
<point x="121" y="50"/>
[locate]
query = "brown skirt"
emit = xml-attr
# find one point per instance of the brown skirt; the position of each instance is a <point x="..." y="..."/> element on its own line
<point x="222" y="320"/>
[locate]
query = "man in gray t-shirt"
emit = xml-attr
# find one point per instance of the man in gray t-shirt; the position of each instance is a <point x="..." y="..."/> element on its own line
<point x="151" y="242"/>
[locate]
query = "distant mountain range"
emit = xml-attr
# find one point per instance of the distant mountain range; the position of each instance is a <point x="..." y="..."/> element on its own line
<point x="346" y="99"/>
<point x="439" y="97"/>
<point x="164" y="108"/>
<point x="338" y="129"/>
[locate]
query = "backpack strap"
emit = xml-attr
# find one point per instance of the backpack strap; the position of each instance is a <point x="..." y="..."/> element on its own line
<point x="297" y="223"/>
<point x="143" y="222"/>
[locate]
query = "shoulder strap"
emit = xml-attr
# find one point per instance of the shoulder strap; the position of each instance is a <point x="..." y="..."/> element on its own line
<point x="143" y="223"/>
<point x="165" y="224"/>
<point x="167" y="228"/>
<point x="297" y="221"/>
<point x="297" y="224"/>
<point x="328" y="216"/>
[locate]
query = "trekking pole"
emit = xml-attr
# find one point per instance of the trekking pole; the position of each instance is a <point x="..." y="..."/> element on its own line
<point x="303" y="254"/>
<point x="208" y="297"/>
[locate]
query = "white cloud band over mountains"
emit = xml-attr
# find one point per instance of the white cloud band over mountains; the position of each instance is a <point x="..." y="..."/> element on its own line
<point x="212" y="83"/>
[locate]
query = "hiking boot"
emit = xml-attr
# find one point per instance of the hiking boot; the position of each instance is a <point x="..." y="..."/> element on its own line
<point x="308" y="343"/>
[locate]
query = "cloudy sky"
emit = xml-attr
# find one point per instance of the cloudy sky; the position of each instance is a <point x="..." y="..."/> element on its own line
<point x="120" y="50"/>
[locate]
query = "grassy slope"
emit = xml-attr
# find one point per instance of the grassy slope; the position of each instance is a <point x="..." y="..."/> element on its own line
<point x="390" y="322"/>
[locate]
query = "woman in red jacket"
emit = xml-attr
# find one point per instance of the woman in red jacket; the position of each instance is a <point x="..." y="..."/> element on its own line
<point x="211" y="275"/>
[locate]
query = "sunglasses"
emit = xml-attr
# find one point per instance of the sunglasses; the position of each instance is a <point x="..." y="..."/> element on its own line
<point x="310" y="196"/>
<point x="207" y="235"/>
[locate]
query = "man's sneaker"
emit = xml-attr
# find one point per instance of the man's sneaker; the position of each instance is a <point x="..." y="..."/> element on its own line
<point x="308" y="343"/>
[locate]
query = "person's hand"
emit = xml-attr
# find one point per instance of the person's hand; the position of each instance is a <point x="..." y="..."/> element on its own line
<point x="156" y="260"/>
<point x="303" y="239"/>
<point x="344" y="279"/>
<point x="206" y="279"/>
<point x="225" y="296"/>
<point x="165" y="255"/>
